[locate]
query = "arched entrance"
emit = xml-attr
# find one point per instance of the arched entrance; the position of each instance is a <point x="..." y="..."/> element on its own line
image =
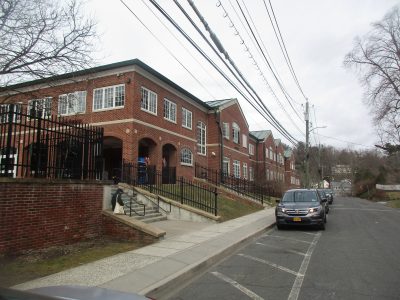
<point x="112" y="154"/>
<point x="147" y="157"/>
<point x="169" y="164"/>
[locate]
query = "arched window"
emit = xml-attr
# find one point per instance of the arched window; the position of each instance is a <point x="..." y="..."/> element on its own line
<point x="201" y="138"/>
<point x="186" y="157"/>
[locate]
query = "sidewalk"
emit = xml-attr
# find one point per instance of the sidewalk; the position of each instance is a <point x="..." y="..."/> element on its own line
<point x="158" y="268"/>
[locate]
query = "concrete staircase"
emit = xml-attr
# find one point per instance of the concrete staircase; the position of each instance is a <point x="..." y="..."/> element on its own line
<point x="147" y="215"/>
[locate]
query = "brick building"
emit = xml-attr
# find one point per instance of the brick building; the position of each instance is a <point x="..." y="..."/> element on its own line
<point x="147" y="117"/>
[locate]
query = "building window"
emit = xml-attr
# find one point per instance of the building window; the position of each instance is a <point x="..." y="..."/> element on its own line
<point x="201" y="138"/>
<point x="244" y="140"/>
<point x="251" y="174"/>
<point x="5" y="112"/>
<point x="225" y="166"/>
<point x="186" y="118"/>
<point x="236" y="168"/>
<point x="149" y="101"/>
<point x="251" y="149"/>
<point x="235" y="133"/>
<point x="271" y="154"/>
<point x="225" y="130"/>
<point x="40" y="108"/>
<point x="245" y="176"/>
<point x="186" y="157"/>
<point x="72" y="103"/>
<point x="109" y="97"/>
<point x="169" y="110"/>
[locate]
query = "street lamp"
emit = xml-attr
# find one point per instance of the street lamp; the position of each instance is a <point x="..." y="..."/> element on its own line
<point x="307" y="154"/>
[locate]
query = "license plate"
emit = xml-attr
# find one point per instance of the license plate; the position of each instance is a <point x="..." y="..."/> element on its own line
<point x="296" y="219"/>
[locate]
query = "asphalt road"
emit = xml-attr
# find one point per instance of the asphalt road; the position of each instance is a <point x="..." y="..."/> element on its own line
<point x="356" y="257"/>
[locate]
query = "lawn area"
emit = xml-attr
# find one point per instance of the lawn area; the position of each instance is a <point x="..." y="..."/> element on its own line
<point x="36" y="264"/>
<point x="45" y="262"/>
<point x="230" y="209"/>
<point x="393" y="199"/>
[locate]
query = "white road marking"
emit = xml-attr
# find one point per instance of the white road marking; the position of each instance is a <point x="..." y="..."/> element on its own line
<point x="288" y="238"/>
<point x="309" y="233"/>
<point x="283" y="250"/>
<point x="364" y="209"/>
<point x="270" y="264"/>
<point x="298" y="282"/>
<point x="235" y="284"/>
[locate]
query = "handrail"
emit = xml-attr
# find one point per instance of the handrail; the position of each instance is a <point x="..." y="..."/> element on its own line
<point x="130" y="207"/>
<point x="158" y="204"/>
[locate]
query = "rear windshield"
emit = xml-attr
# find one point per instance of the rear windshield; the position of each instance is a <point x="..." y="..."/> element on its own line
<point x="300" y="196"/>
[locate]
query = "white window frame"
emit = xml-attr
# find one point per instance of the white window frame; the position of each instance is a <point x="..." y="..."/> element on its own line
<point x="75" y="103"/>
<point x="271" y="154"/>
<point x="186" y="157"/>
<point x="169" y="110"/>
<point x="251" y="149"/>
<point x="226" y="162"/>
<point x="5" y="110"/>
<point x="235" y="133"/>
<point x="45" y="110"/>
<point x="236" y="168"/>
<point x="244" y="140"/>
<point x="225" y="130"/>
<point x="251" y="174"/>
<point x="106" y="98"/>
<point x="148" y="102"/>
<point x="13" y="156"/>
<point x="187" y="118"/>
<point x="245" y="171"/>
<point x="201" y="138"/>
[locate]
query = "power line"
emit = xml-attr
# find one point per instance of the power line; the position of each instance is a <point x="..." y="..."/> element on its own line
<point x="285" y="93"/>
<point x="270" y="119"/>
<point x="222" y="50"/>
<point x="247" y="49"/>
<point x="166" y="48"/>
<point x="183" y="46"/>
<point x="284" y="50"/>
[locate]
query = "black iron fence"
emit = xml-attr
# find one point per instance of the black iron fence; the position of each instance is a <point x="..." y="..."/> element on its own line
<point x="239" y="185"/>
<point x="181" y="190"/>
<point x="48" y="147"/>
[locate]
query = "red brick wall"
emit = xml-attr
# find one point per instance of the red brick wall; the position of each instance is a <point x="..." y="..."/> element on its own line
<point x="120" y="231"/>
<point x="37" y="214"/>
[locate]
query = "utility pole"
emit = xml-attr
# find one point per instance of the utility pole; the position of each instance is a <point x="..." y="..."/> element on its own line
<point x="307" y="119"/>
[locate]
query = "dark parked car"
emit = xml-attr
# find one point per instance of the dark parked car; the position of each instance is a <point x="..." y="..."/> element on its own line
<point x="329" y="193"/>
<point x="322" y="193"/>
<point x="301" y="207"/>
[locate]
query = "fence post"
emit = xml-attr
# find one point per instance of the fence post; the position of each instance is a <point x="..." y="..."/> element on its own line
<point x="8" y="165"/>
<point x="181" y="189"/>
<point x="215" y="202"/>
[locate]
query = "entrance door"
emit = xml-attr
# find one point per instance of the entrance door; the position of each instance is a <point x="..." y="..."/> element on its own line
<point x="169" y="164"/>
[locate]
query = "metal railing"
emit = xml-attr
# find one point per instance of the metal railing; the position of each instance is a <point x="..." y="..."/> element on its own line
<point x="48" y="147"/>
<point x="182" y="190"/>
<point x="239" y="185"/>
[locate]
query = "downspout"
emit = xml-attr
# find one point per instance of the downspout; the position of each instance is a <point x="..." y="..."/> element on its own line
<point x="221" y="143"/>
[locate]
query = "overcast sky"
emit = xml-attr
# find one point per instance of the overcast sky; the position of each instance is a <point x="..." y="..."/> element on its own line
<point x="317" y="34"/>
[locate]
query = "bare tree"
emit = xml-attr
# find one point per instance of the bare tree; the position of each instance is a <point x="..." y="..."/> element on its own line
<point x="376" y="58"/>
<point x="42" y="38"/>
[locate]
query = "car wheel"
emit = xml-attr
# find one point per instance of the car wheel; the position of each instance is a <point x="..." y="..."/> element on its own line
<point x="325" y="219"/>
<point x="322" y="226"/>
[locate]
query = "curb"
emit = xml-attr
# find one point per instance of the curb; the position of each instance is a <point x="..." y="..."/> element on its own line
<point x="169" y="285"/>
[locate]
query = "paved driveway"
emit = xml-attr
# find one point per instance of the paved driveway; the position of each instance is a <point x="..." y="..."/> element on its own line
<point x="356" y="257"/>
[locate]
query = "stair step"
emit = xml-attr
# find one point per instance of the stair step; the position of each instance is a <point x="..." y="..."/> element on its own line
<point x="147" y="216"/>
<point x="154" y="219"/>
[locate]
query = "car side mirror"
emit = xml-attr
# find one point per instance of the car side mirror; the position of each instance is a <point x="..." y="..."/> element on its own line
<point x="323" y="200"/>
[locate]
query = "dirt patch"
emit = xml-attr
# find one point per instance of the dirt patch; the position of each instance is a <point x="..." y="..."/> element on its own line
<point x="35" y="264"/>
